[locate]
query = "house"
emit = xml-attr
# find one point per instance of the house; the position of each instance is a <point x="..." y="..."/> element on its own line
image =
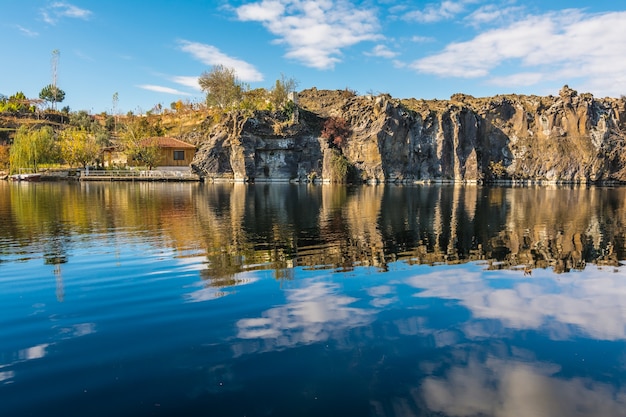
<point x="174" y="153"/>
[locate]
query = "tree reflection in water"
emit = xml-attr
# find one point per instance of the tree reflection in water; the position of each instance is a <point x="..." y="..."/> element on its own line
<point x="243" y="227"/>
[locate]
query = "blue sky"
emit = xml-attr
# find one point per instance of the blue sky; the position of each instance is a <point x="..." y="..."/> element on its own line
<point x="153" y="52"/>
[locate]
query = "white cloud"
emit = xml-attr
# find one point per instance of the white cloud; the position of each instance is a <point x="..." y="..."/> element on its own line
<point x="558" y="45"/>
<point x="519" y="79"/>
<point x="27" y="32"/>
<point x="381" y="51"/>
<point x="435" y="12"/>
<point x="315" y="32"/>
<point x="210" y="55"/>
<point x="399" y="64"/>
<point x="161" y="89"/>
<point x="188" y="81"/>
<point x="421" y="39"/>
<point x="53" y="13"/>
<point x="491" y="13"/>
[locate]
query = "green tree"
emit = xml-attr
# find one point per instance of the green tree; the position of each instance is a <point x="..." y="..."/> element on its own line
<point x="79" y="147"/>
<point x="53" y="94"/>
<point x="17" y="103"/>
<point x="32" y="147"/>
<point x="222" y="87"/>
<point x="279" y="95"/>
<point x="149" y="152"/>
<point x="83" y="120"/>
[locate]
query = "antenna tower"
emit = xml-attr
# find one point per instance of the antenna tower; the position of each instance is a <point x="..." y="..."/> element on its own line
<point x="54" y="62"/>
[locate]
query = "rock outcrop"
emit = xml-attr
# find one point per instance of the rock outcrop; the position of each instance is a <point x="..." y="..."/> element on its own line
<point x="571" y="138"/>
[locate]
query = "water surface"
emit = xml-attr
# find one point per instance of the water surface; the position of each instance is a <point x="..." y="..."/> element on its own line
<point x="151" y="299"/>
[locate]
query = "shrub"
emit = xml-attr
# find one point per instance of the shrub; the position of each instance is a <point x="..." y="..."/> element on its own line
<point x="497" y="169"/>
<point x="336" y="130"/>
<point x="339" y="166"/>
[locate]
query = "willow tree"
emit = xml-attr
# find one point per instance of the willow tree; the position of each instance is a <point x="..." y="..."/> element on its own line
<point x="32" y="147"/>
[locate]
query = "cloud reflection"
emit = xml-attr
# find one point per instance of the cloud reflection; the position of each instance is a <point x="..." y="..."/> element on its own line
<point x="34" y="352"/>
<point x="23" y="355"/>
<point x="563" y="306"/>
<point x="312" y="314"/>
<point x="501" y="387"/>
<point x="7" y="376"/>
<point x="383" y="295"/>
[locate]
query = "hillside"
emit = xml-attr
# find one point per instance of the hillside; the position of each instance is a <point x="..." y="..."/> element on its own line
<point x="569" y="137"/>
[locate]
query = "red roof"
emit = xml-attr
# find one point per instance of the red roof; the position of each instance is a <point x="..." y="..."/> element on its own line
<point x="167" y="142"/>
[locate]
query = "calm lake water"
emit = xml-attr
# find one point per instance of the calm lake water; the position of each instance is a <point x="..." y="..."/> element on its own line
<point x="152" y="299"/>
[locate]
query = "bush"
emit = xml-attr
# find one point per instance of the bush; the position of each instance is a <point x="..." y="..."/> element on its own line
<point x="497" y="170"/>
<point x="336" y="130"/>
<point x="341" y="170"/>
<point x="339" y="167"/>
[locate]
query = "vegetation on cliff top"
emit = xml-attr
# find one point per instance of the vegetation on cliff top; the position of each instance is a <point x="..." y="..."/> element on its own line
<point x="78" y="138"/>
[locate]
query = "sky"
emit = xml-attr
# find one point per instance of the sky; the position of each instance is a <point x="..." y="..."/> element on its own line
<point x="152" y="53"/>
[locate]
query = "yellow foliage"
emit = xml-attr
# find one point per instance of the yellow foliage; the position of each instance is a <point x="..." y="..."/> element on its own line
<point x="78" y="147"/>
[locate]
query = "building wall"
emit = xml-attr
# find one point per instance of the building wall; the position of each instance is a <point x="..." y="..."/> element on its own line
<point x="115" y="158"/>
<point x="167" y="157"/>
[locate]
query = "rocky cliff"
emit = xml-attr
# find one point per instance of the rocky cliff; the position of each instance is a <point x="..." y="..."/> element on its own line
<point x="570" y="137"/>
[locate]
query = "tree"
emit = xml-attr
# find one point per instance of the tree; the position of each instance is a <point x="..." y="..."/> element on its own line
<point x="53" y="94"/>
<point x="17" y="103"/>
<point x="222" y="87"/>
<point x="79" y="147"/>
<point x="140" y="144"/>
<point x="32" y="147"/>
<point x="279" y="95"/>
<point x="83" y="120"/>
<point x="336" y="130"/>
<point x="149" y="152"/>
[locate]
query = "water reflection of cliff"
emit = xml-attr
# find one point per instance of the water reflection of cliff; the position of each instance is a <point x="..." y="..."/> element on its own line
<point x="242" y="227"/>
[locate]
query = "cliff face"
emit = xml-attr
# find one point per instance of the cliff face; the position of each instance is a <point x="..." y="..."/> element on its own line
<point x="570" y="137"/>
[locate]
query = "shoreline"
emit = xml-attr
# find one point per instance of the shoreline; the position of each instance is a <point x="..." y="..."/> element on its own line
<point x="187" y="176"/>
